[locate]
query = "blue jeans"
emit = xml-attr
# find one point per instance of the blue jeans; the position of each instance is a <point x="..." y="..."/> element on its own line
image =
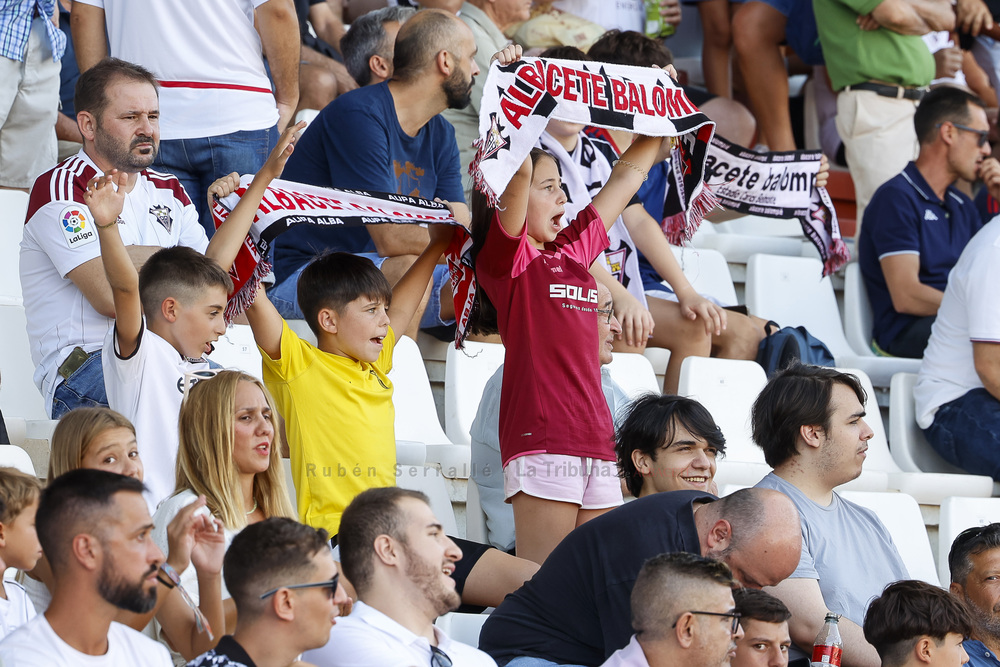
<point x="285" y="295"/>
<point x="197" y="163"/>
<point x="83" y="389"/>
<point x="966" y="433"/>
<point x="531" y="661"/>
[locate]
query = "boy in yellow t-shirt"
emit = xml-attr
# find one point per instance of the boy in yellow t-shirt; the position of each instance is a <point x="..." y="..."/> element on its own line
<point x="335" y="397"/>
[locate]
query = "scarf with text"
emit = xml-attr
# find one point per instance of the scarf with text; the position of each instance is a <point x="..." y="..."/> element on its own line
<point x="286" y="204"/>
<point x="519" y="99"/>
<point x="770" y="185"/>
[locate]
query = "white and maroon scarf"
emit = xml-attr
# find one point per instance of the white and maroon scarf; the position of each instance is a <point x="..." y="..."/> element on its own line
<point x="772" y="185"/>
<point x="286" y="204"/>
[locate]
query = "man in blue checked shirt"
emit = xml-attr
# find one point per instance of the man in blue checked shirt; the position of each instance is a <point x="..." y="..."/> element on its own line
<point x="31" y="46"/>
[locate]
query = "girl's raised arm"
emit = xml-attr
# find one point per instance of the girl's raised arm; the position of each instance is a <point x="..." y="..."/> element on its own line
<point x="628" y="174"/>
<point x="513" y="207"/>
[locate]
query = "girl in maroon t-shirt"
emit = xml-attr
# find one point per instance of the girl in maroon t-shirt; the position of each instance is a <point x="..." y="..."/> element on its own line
<point x="556" y="433"/>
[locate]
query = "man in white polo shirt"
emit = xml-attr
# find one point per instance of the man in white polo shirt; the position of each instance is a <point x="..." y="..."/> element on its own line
<point x="67" y="298"/>
<point x="397" y="557"/>
<point x="958" y="392"/>
<point x="220" y="115"/>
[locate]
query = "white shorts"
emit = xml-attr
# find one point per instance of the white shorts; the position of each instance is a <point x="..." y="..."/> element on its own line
<point x="590" y="483"/>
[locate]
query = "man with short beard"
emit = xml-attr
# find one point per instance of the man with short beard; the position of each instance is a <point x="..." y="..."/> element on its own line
<point x="95" y="529"/>
<point x="974" y="562"/>
<point x="395" y="553"/>
<point x="387" y="137"/>
<point x="67" y="298"/>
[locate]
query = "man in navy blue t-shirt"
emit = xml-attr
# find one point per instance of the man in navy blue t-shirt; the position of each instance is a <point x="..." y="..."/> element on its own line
<point x="918" y="222"/>
<point x="387" y="137"/>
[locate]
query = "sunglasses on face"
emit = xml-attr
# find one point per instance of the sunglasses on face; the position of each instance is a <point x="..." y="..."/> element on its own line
<point x="332" y="585"/>
<point x="984" y="135"/>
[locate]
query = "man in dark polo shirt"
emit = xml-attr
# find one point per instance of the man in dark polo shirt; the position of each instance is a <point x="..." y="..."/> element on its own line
<point x="918" y="223"/>
<point x="575" y="610"/>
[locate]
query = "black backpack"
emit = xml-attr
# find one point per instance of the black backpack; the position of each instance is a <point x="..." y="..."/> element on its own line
<point x="784" y="345"/>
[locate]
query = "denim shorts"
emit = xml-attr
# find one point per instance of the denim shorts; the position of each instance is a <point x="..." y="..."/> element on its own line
<point x="83" y="389"/>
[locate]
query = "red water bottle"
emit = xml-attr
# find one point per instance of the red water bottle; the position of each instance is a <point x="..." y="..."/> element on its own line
<point x="828" y="647"/>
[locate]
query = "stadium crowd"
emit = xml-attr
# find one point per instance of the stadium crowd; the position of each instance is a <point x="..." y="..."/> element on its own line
<point x="148" y="137"/>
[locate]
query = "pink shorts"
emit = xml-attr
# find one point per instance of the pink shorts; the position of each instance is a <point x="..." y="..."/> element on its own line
<point x="590" y="483"/>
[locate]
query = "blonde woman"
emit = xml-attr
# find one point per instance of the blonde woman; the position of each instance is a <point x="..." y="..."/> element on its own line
<point x="230" y="454"/>
<point x="102" y="439"/>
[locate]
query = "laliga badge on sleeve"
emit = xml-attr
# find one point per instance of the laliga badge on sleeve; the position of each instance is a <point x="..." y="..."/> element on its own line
<point x="77" y="226"/>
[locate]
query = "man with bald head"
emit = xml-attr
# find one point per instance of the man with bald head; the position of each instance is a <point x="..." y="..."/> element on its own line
<point x="683" y="614"/>
<point x="575" y="610"/>
<point x="809" y="420"/>
<point x="387" y="137"/>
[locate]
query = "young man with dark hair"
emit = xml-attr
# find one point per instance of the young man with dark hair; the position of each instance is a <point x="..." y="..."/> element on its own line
<point x="400" y="562"/>
<point x="974" y="562"/>
<point x="67" y="297"/>
<point x="918" y="222"/>
<point x="95" y="530"/>
<point x="915" y="624"/>
<point x="287" y="591"/>
<point x="764" y="619"/>
<point x="682" y="613"/>
<point x="809" y="420"/>
<point x="665" y="443"/>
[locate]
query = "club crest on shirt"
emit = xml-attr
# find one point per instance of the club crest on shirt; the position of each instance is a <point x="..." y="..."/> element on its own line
<point x="76" y="226"/>
<point x="162" y="215"/>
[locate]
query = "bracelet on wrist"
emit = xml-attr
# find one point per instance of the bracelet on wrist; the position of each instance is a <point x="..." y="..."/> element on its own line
<point x="645" y="174"/>
<point x="118" y="221"/>
<point x="168" y="576"/>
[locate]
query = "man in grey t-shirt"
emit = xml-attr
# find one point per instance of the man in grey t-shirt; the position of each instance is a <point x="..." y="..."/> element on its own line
<point x="809" y="421"/>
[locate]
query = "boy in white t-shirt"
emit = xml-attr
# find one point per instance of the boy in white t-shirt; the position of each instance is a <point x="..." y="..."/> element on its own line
<point x="19" y="547"/>
<point x="179" y="296"/>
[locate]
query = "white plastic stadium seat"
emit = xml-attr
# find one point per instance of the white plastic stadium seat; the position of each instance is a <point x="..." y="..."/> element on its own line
<point x="430" y="480"/>
<point x="237" y="349"/>
<point x="13" y="206"/>
<point x="475" y="518"/>
<point x="708" y="272"/>
<point x="957" y="514"/>
<point x="857" y="311"/>
<point x="634" y="374"/>
<point x="463" y="628"/>
<point x="910" y="448"/>
<point x="791" y="291"/>
<point x="12" y="456"/>
<point x="901" y="516"/>
<point x="416" y="414"/>
<point x="738" y="239"/>
<point x="465" y="376"/>
<point x="727" y="388"/>
<point x="927" y="488"/>
<point x="18" y="395"/>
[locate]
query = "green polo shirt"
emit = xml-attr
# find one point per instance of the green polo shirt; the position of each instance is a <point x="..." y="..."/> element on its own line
<point x="854" y="56"/>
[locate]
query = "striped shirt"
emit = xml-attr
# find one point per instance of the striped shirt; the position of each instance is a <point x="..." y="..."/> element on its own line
<point x="16" y="17"/>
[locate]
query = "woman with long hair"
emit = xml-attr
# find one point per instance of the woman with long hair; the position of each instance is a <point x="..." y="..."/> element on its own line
<point x="230" y="453"/>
